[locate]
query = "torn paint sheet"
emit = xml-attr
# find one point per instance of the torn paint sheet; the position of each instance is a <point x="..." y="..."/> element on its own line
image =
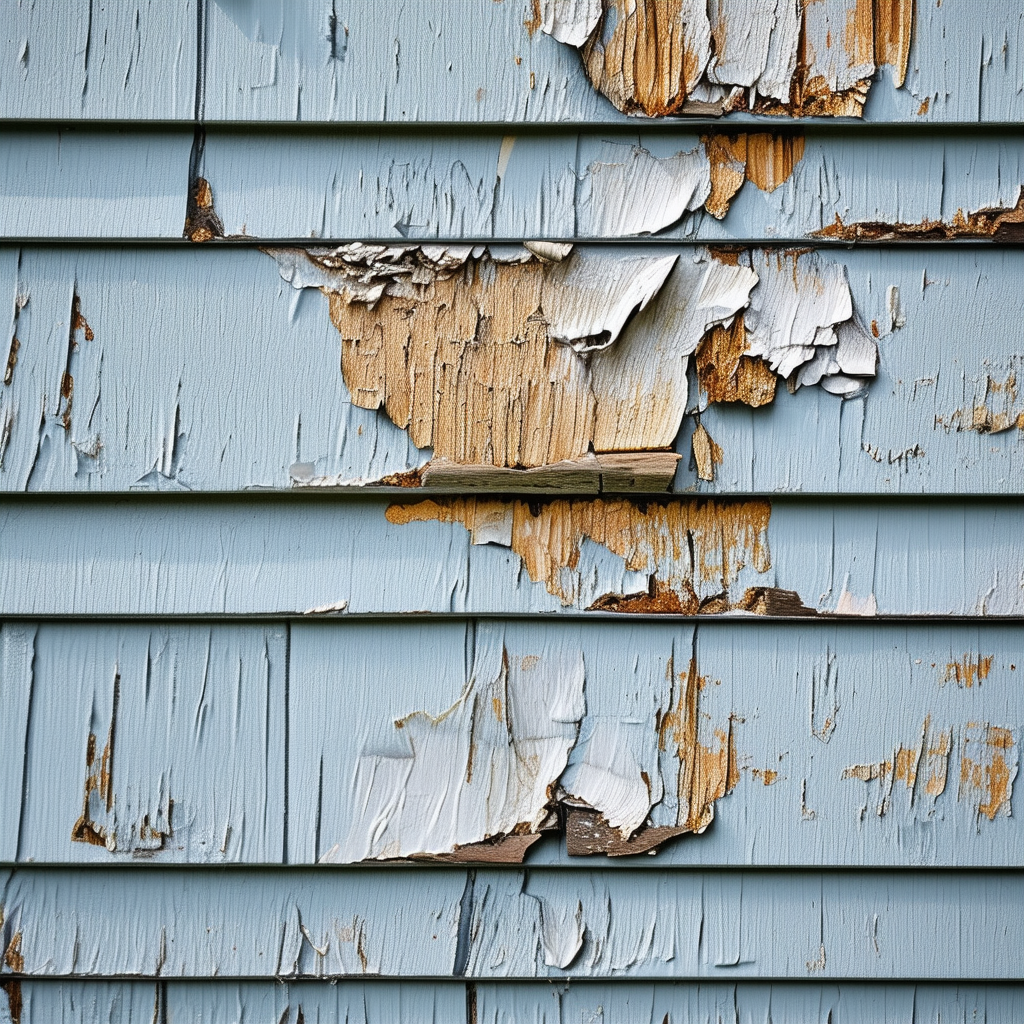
<point x="631" y="192"/>
<point x="635" y="193"/>
<point x="481" y="769"/>
<point x="692" y="553"/>
<point x="785" y="57"/>
<point x="530" y="747"/>
<point x="569" y="21"/>
<point x="801" y="318"/>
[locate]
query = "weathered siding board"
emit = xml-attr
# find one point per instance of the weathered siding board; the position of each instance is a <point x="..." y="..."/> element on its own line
<point x="800" y="710"/>
<point x="226" y="1002"/>
<point x="434" y="62"/>
<point x="356" y="1002"/>
<point x="189" y="557"/>
<point x="17" y="652"/>
<point x="744" y="1003"/>
<point x="69" y="60"/>
<point x="70" y="183"/>
<point x="148" y="742"/>
<point x="198" y="923"/>
<point x="163" y="399"/>
<point x="486" y="184"/>
<point x="188" y="731"/>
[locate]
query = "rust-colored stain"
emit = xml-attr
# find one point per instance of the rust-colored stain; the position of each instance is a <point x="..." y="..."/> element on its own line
<point x="12" y="360"/>
<point x="998" y="410"/>
<point x="936" y="763"/>
<point x="201" y="221"/>
<point x="999" y="223"/>
<point x="13" y="957"/>
<point x="14" y="1000"/>
<point x="706" y="773"/>
<point x="970" y="669"/>
<point x="768" y="776"/>
<point x="78" y="322"/>
<point x="683" y="543"/>
<point x="98" y="779"/>
<point x="988" y="768"/>
<point x="726" y="374"/>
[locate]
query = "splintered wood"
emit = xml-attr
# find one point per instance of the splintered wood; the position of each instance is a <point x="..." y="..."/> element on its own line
<point x="688" y="549"/>
<point x="781" y="57"/>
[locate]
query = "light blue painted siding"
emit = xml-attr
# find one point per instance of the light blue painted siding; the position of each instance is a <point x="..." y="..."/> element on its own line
<point x="201" y="658"/>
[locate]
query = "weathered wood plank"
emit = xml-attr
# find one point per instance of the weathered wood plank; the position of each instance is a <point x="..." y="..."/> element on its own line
<point x="168" y="744"/>
<point x="473" y="62"/>
<point x="369" y="1002"/>
<point x="71" y="60"/>
<point x="725" y="1003"/>
<point x="97" y="182"/>
<point x="245" y="557"/>
<point x="147" y="742"/>
<point x="197" y="923"/>
<point x="787" y="742"/>
<point x="162" y="399"/>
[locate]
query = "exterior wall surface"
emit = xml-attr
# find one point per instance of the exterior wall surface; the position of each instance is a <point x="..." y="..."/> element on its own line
<point x="511" y="511"/>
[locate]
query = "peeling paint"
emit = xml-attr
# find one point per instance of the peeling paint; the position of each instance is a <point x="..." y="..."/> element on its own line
<point x="970" y="669"/>
<point x="469" y="775"/>
<point x="706" y="453"/>
<point x="996" y="407"/>
<point x="988" y="767"/>
<point x="1001" y="224"/>
<point x="497" y="358"/>
<point x="520" y="754"/>
<point x="764" y="158"/>
<point x="782" y="57"/>
<point x="691" y="551"/>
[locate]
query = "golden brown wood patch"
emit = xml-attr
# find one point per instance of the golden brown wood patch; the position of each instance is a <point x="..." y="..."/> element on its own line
<point x="658" y="538"/>
<point x="725" y="374"/>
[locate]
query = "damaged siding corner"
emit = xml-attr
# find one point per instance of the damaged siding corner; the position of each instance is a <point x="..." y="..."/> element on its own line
<point x="658" y="58"/>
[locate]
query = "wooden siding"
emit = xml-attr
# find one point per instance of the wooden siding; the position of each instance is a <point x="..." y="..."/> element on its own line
<point x="488" y="536"/>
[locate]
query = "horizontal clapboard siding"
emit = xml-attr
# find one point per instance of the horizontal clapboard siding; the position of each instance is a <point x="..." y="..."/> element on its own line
<point x="240" y="381"/>
<point x="203" y="923"/>
<point x="432" y="62"/>
<point x="474" y="183"/>
<point x="357" y="1002"/>
<point x="245" y="556"/>
<point x="200" y="653"/>
<point x="242" y="744"/>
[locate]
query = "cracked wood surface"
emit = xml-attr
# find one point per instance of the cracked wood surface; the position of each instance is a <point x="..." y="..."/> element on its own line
<point x="489" y="183"/>
<point x="937" y="419"/>
<point x="775" y="731"/>
<point x="310" y="61"/>
<point x="193" y="557"/>
<point x="202" y="923"/>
